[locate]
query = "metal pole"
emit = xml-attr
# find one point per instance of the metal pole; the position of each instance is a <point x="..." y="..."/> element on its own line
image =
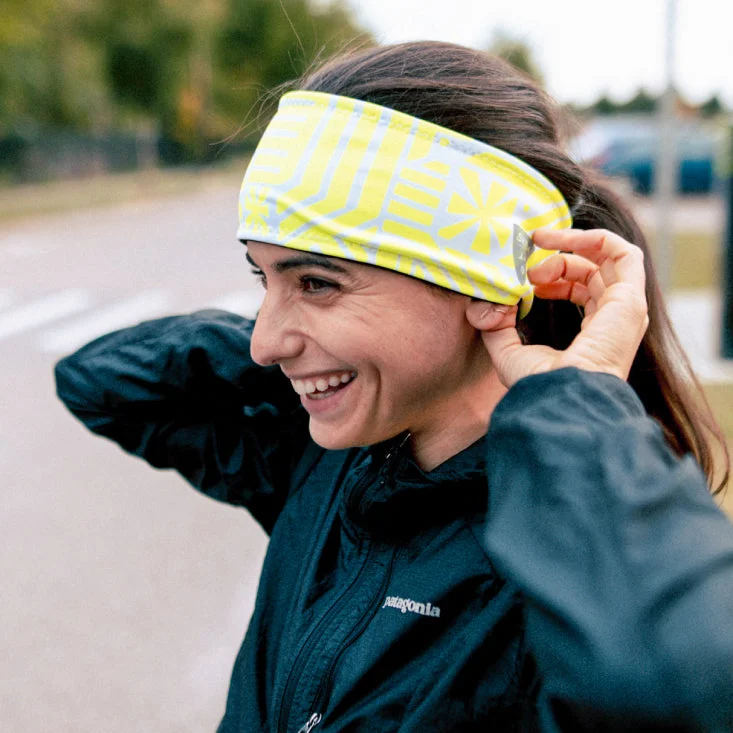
<point x="666" y="168"/>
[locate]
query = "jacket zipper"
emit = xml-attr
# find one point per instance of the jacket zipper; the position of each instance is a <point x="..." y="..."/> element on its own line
<point x="312" y="722"/>
<point x="313" y="636"/>
<point x="305" y="651"/>
<point x="357" y="631"/>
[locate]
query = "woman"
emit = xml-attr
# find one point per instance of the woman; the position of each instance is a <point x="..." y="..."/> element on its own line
<point x="387" y="396"/>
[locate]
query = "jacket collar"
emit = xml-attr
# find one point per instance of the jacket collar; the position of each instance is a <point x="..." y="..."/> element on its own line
<point x="391" y="493"/>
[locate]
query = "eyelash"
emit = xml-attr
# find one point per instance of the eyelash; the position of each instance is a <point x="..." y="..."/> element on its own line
<point x="260" y="276"/>
<point x="321" y="285"/>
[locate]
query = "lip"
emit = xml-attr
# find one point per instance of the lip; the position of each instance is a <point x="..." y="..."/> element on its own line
<point x="325" y="405"/>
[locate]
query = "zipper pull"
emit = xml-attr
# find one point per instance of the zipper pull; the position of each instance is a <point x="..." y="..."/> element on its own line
<point x="313" y="721"/>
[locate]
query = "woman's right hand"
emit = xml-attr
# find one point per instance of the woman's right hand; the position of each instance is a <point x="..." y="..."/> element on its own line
<point x="595" y="269"/>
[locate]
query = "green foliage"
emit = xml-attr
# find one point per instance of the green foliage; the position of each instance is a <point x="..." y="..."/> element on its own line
<point x="712" y="107"/>
<point x="518" y="53"/>
<point x="267" y="42"/>
<point x="191" y="69"/>
<point x="641" y="103"/>
<point x="133" y="75"/>
<point x="604" y="106"/>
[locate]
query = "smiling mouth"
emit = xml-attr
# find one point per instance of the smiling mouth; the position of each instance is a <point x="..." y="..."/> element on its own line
<point x="322" y="387"/>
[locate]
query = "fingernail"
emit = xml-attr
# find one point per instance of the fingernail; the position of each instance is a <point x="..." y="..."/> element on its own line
<point x="484" y="314"/>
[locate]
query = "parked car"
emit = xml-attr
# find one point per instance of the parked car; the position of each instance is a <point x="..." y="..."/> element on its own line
<point x="628" y="146"/>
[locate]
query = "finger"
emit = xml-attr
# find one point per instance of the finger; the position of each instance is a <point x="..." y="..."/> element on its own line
<point x="598" y="246"/>
<point x="564" y="290"/>
<point x="590" y="309"/>
<point x="563" y="267"/>
<point x="572" y="268"/>
<point x="611" y="333"/>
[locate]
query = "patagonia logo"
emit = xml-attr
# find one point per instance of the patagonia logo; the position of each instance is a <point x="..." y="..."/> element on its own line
<point x="407" y="604"/>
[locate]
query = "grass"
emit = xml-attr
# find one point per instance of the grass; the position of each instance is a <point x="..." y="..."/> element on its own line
<point x="720" y="397"/>
<point x="697" y="259"/>
<point x="21" y="202"/>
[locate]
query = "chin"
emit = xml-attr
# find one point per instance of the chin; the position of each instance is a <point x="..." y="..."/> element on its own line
<point x="330" y="438"/>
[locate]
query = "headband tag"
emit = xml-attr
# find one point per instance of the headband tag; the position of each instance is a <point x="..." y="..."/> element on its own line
<point x="522" y="248"/>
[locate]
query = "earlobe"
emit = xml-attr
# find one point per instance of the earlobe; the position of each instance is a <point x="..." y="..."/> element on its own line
<point x="486" y="316"/>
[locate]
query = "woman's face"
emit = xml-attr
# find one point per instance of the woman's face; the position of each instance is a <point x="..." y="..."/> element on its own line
<point x="371" y="352"/>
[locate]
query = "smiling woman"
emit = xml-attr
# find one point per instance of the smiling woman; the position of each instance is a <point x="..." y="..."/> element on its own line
<point x="404" y="360"/>
<point x="461" y="415"/>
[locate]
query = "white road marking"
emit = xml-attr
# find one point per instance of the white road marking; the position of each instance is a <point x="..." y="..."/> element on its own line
<point x="244" y="302"/>
<point x="39" y="312"/>
<point x="6" y="298"/>
<point x="128" y="312"/>
<point x="18" y="245"/>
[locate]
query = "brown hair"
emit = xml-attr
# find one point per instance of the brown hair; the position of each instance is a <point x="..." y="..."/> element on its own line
<point x="484" y="97"/>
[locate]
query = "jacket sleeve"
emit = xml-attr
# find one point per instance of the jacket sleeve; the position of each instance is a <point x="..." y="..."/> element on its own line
<point x="624" y="560"/>
<point x="183" y="393"/>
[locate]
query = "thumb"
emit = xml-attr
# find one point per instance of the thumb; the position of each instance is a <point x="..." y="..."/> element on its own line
<point x="502" y="345"/>
<point x="512" y="359"/>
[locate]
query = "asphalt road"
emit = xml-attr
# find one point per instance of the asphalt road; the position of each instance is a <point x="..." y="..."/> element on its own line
<point x="125" y="593"/>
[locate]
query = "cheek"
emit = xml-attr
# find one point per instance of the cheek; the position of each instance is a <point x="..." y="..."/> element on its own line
<point x="427" y="350"/>
<point x="412" y="336"/>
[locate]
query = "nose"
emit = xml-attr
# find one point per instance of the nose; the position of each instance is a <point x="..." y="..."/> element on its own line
<point x="276" y="336"/>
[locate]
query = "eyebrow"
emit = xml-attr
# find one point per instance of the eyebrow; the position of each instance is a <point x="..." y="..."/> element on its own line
<point x="303" y="260"/>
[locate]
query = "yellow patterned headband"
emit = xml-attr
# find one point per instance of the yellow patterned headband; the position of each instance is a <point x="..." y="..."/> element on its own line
<point x="355" y="180"/>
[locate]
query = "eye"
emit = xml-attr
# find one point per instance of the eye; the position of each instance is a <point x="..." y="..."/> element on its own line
<point x="314" y="285"/>
<point x="260" y="276"/>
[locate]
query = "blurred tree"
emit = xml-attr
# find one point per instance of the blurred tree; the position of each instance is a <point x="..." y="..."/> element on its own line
<point x="264" y="43"/>
<point x="518" y="53"/>
<point x="712" y="107"/>
<point x="190" y="69"/>
<point x="641" y="103"/>
<point x="38" y="46"/>
<point x="604" y="106"/>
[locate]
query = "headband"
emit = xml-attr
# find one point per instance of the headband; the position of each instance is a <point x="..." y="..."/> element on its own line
<point x="350" y="179"/>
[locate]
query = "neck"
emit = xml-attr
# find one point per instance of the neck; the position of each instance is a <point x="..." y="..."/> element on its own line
<point x="464" y="421"/>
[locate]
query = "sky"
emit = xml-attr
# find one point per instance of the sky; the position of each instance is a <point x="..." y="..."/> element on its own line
<point x="584" y="47"/>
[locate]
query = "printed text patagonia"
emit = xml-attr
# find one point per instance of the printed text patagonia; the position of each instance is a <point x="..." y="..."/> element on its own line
<point x="407" y="604"/>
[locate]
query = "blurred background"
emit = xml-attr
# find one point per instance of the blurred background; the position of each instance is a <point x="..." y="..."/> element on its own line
<point x="125" y="127"/>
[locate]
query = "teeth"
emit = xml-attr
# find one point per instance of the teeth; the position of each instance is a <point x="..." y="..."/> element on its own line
<point x="321" y="384"/>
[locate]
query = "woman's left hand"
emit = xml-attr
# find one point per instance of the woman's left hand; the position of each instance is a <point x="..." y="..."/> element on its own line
<point x="597" y="270"/>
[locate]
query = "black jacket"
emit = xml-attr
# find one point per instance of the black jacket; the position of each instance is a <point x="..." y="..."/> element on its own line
<point x="595" y="593"/>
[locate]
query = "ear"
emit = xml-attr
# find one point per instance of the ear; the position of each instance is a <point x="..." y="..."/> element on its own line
<point x="485" y="316"/>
